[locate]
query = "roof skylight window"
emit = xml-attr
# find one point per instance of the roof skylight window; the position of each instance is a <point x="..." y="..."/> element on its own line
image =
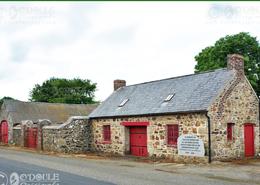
<point x="169" y="97"/>
<point x="123" y="103"/>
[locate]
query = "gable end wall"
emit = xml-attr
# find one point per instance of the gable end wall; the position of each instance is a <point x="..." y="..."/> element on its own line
<point x="237" y="104"/>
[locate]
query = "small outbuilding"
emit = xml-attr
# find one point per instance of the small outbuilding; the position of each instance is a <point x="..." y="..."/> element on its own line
<point x="14" y="112"/>
<point x="198" y="117"/>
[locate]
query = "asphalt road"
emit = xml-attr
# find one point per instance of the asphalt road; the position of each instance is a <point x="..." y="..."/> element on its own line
<point x="58" y="177"/>
<point x="77" y="171"/>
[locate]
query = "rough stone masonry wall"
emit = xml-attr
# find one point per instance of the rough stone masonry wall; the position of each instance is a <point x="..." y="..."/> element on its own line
<point x="17" y="136"/>
<point x="194" y="123"/>
<point x="237" y="104"/>
<point x="70" y="137"/>
<point x="40" y="125"/>
<point x="10" y="130"/>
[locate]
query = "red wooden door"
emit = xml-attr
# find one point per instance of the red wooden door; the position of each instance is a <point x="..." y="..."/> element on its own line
<point x="32" y="138"/>
<point x="249" y="140"/>
<point x="4" y="132"/>
<point x="138" y="141"/>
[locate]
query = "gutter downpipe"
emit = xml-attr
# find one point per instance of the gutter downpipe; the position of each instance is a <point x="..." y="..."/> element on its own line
<point x="209" y="137"/>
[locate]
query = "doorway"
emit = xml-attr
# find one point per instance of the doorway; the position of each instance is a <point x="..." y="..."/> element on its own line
<point x="138" y="141"/>
<point x="249" y="140"/>
<point x="4" y="132"/>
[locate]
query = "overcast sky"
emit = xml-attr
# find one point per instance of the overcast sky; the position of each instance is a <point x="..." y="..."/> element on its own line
<point x="103" y="41"/>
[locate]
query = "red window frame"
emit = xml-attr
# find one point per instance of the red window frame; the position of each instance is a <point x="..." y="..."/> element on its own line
<point x="172" y="134"/>
<point x="106" y="133"/>
<point x="230" y="131"/>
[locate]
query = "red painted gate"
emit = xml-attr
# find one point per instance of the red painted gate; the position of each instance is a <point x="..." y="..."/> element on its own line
<point x="4" y="132"/>
<point x="249" y="140"/>
<point x="32" y="138"/>
<point x="138" y="141"/>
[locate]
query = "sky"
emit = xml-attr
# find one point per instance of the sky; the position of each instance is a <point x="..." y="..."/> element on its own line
<point x="104" y="41"/>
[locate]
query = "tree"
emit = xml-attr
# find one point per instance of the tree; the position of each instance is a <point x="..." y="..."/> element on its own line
<point x="214" y="57"/>
<point x="5" y="98"/>
<point x="57" y="90"/>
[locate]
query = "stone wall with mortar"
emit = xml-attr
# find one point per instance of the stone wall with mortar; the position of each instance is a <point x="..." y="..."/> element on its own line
<point x="40" y="125"/>
<point x="193" y="123"/>
<point x="71" y="137"/>
<point x="17" y="136"/>
<point x="236" y="104"/>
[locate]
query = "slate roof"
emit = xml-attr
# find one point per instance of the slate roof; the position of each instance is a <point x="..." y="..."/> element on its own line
<point x="192" y="93"/>
<point x="55" y="112"/>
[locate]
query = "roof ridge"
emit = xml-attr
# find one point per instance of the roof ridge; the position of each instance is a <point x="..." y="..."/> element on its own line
<point x="46" y="102"/>
<point x="210" y="71"/>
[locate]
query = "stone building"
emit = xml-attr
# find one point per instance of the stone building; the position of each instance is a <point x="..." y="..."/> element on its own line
<point x="13" y="113"/>
<point x="219" y="108"/>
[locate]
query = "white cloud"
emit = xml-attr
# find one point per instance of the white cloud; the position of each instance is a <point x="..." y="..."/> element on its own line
<point x="135" y="41"/>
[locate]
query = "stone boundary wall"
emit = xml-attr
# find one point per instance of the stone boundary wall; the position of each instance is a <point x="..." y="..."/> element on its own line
<point x="40" y="125"/>
<point x="17" y="136"/>
<point x="73" y="136"/>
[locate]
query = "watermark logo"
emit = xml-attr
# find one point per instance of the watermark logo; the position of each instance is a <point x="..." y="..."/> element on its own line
<point x="3" y="178"/>
<point x="14" y="179"/>
<point x="226" y="13"/>
<point x="26" y="14"/>
<point x="30" y="179"/>
<point x="222" y="11"/>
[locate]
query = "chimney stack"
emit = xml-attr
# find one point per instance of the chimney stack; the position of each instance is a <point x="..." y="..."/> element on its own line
<point x="235" y="62"/>
<point x="118" y="84"/>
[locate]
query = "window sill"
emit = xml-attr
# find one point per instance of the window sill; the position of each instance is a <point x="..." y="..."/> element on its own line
<point x="172" y="145"/>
